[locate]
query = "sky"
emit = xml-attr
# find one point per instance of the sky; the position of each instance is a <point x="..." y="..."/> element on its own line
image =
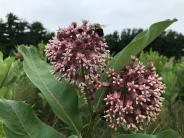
<point x="114" y="14"/>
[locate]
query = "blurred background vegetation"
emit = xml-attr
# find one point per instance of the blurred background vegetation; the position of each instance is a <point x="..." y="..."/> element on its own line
<point x="166" y="52"/>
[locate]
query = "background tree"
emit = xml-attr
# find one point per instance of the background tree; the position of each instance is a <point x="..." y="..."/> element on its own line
<point x="169" y="43"/>
<point x="117" y="41"/>
<point x="15" y="31"/>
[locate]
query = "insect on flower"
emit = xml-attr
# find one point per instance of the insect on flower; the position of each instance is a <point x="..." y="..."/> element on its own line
<point x="78" y="53"/>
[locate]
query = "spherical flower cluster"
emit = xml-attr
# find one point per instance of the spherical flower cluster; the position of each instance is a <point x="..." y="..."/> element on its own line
<point x="134" y="96"/>
<point x="78" y="54"/>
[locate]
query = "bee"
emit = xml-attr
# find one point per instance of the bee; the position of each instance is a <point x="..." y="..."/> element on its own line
<point x="99" y="29"/>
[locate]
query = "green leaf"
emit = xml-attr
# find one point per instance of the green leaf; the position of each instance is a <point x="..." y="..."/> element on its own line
<point x="5" y="67"/>
<point x="163" y="134"/>
<point x="4" y="91"/>
<point x="21" y="122"/>
<point x="135" y="136"/>
<point x="139" y="43"/>
<point x="73" y="136"/>
<point x="1" y="130"/>
<point x="168" y="134"/>
<point x="61" y="96"/>
<point x="134" y="47"/>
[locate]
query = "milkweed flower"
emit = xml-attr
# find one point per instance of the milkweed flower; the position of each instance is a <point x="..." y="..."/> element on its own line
<point x="134" y="96"/>
<point x="78" y="54"/>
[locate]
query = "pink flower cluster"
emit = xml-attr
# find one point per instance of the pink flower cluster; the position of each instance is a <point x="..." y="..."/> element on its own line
<point x="78" y="54"/>
<point x="134" y="96"/>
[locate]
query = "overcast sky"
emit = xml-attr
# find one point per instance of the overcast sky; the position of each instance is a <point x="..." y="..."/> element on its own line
<point x="116" y="14"/>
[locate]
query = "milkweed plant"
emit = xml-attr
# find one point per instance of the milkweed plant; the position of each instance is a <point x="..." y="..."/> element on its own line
<point x="79" y="55"/>
<point x="85" y="86"/>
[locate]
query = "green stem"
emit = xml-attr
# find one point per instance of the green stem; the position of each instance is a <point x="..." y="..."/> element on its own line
<point x="90" y="128"/>
<point x="91" y="123"/>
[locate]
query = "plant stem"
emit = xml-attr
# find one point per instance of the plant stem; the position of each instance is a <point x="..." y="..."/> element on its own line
<point x="91" y="123"/>
<point x="90" y="128"/>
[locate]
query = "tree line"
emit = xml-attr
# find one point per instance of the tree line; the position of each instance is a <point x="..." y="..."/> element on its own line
<point x="15" y="31"/>
<point x="169" y="43"/>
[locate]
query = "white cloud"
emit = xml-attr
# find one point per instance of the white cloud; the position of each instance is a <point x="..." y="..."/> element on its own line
<point x="116" y="14"/>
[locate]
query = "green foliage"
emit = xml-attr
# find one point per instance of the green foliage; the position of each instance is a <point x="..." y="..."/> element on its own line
<point x="40" y="49"/>
<point x="164" y="134"/>
<point x="171" y="117"/>
<point x="8" y="75"/>
<point x="5" y="67"/>
<point x="14" y="84"/>
<point x="1" y="130"/>
<point x="62" y="97"/>
<point x="21" y="122"/>
<point x="158" y="60"/>
<point x="24" y="90"/>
